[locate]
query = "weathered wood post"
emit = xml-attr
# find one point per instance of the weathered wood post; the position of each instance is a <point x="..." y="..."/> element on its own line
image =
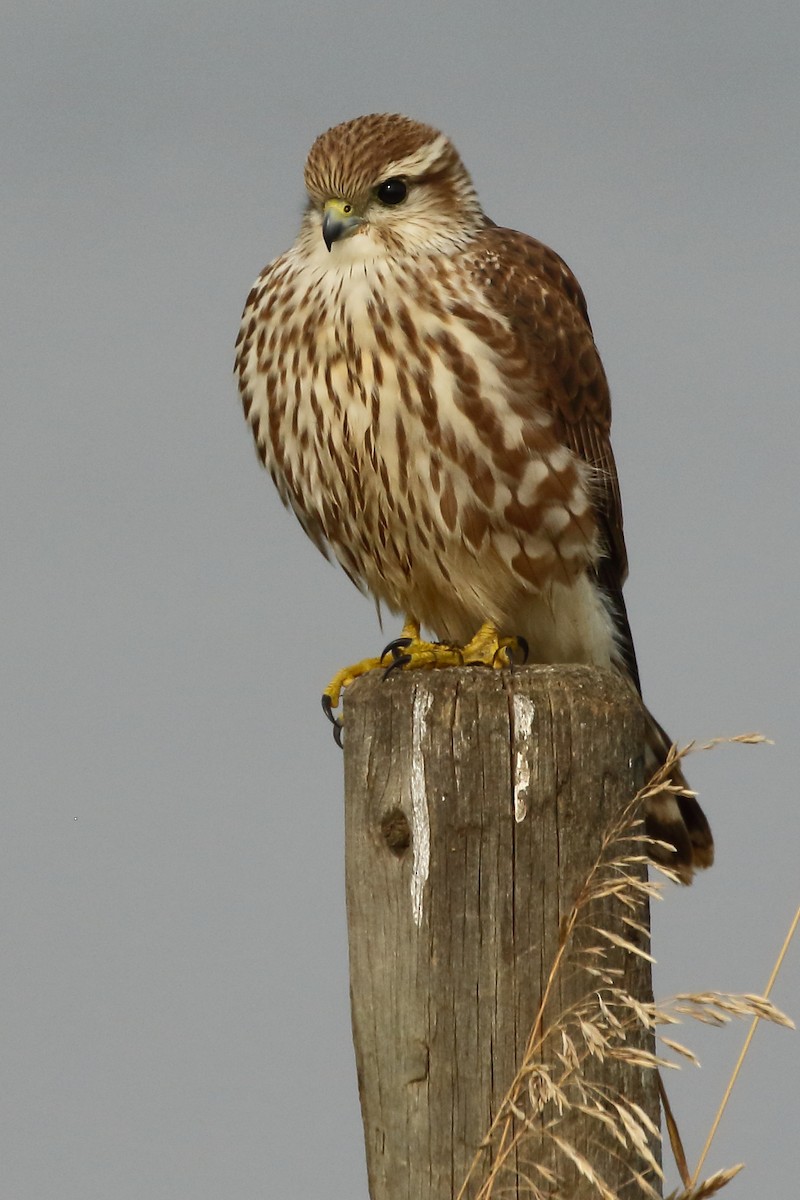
<point x="476" y="801"/>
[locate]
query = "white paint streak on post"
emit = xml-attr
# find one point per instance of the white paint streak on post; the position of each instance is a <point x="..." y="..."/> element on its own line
<point x="420" y="822"/>
<point x="524" y="713"/>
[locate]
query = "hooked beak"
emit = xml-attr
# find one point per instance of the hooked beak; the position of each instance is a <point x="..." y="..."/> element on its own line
<point x="339" y="220"/>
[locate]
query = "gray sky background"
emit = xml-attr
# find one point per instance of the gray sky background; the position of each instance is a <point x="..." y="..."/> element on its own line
<point x="174" y="977"/>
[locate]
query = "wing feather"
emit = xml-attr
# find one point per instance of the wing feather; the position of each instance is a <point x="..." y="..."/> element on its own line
<point x="542" y="301"/>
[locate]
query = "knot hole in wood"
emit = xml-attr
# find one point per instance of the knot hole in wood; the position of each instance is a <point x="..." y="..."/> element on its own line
<point x="396" y="831"/>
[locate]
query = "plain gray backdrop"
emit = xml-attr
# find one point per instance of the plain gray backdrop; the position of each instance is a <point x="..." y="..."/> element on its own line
<point x="175" y="1020"/>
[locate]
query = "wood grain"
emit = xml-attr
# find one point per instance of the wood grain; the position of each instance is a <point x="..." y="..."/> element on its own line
<point x="476" y="801"/>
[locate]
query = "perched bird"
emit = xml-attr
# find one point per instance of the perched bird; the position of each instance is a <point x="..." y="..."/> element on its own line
<point x="425" y="390"/>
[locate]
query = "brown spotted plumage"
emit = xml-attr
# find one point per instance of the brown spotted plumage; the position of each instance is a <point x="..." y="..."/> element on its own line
<point x="425" y="390"/>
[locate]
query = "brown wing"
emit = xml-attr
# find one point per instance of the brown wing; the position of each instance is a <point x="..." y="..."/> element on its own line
<point x="543" y="301"/>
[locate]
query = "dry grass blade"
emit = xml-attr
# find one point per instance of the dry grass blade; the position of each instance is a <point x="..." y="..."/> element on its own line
<point x="675" y="1140"/>
<point x="585" y="1167"/>
<point x="709" y="1187"/>
<point x="759" y="1014"/>
<point x="717" y="1008"/>
<point x="596" y="1041"/>
<point x="646" y="1187"/>
<point x="679" y="1048"/>
<point x="741" y="739"/>
<point x="638" y="1136"/>
<point x="624" y="944"/>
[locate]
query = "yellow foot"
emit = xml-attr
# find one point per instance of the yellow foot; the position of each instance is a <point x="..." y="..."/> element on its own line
<point x="491" y="650"/>
<point x="342" y="679"/>
<point x="333" y="692"/>
<point x="410" y="652"/>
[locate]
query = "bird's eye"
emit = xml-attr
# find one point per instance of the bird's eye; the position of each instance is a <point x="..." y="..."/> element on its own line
<point x="392" y="191"/>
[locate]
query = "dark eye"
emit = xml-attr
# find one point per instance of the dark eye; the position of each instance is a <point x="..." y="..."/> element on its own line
<point x="391" y="191"/>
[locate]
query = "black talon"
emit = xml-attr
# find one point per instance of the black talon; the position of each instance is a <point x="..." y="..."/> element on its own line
<point x="505" y="652"/>
<point x="394" y="648"/>
<point x="401" y="661"/>
<point x="327" y="708"/>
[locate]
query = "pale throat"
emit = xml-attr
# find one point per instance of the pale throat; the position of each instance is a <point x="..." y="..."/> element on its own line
<point x="360" y="249"/>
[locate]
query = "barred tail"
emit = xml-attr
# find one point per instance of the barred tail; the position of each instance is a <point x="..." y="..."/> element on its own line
<point x="673" y="815"/>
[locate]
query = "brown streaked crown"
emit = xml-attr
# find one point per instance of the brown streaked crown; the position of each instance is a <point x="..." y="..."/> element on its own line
<point x="348" y="160"/>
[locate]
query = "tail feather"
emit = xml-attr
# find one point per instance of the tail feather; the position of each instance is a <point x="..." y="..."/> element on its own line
<point x="673" y="815"/>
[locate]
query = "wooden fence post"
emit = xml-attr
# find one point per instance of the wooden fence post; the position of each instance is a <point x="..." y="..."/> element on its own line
<point x="476" y="801"/>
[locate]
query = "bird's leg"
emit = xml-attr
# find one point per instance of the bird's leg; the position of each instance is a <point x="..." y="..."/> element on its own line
<point x="410" y="652"/>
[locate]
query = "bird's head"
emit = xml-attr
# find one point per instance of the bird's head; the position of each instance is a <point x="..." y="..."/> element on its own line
<point x="384" y="185"/>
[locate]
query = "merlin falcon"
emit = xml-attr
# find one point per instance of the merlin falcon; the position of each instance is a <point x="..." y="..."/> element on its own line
<point x="424" y="388"/>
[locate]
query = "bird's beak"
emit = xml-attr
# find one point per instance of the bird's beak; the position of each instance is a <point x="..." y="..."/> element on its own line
<point x="339" y="220"/>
